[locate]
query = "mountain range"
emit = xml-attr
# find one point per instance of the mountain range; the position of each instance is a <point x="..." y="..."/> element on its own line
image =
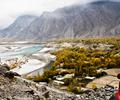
<point x="96" y="19"/>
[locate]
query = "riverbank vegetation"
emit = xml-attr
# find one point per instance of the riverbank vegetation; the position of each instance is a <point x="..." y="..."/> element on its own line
<point x="103" y="40"/>
<point x="83" y="62"/>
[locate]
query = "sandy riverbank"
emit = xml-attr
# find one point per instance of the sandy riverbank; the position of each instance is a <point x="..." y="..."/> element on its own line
<point x="28" y="62"/>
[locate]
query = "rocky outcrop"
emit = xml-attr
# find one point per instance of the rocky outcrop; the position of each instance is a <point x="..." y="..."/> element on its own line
<point x="104" y="93"/>
<point x="3" y="69"/>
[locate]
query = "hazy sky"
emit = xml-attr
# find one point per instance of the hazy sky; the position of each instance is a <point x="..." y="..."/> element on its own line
<point x="10" y="9"/>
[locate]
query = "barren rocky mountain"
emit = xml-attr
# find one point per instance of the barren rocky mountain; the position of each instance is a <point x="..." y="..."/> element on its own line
<point x="96" y="19"/>
<point x="15" y="29"/>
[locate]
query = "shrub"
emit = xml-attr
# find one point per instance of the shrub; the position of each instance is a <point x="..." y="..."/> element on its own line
<point x="37" y="78"/>
<point x="100" y="74"/>
<point x="94" y="87"/>
<point x="66" y="72"/>
<point x="74" y="89"/>
<point x="67" y="81"/>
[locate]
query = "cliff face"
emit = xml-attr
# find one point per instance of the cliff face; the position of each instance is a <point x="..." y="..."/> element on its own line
<point x="96" y="19"/>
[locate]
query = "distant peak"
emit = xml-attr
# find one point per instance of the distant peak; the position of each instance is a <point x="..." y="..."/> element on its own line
<point x="26" y="16"/>
<point x="104" y="1"/>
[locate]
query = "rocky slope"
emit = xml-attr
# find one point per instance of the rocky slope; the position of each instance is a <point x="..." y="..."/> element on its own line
<point x="96" y="19"/>
<point x="16" y="88"/>
<point x="15" y="30"/>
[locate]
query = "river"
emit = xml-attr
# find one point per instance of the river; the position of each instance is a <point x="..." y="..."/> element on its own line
<point x="19" y="52"/>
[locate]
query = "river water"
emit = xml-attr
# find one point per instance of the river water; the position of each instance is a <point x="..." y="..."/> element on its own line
<point x="20" y="52"/>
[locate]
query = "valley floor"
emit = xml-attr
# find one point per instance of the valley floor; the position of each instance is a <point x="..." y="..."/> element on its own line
<point x="72" y="63"/>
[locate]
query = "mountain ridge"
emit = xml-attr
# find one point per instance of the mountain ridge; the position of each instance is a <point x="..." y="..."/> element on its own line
<point x="96" y="19"/>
